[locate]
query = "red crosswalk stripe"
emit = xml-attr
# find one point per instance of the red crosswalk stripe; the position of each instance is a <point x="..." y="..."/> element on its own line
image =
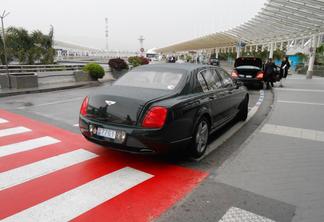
<point x="107" y="186"/>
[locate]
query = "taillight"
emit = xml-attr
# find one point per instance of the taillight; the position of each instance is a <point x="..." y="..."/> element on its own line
<point x="155" y="117"/>
<point x="260" y="75"/>
<point x="84" y="106"/>
<point x="235" y="74"/>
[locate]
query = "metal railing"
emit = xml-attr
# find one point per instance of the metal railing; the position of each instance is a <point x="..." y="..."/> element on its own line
<point x="39" y="68"/>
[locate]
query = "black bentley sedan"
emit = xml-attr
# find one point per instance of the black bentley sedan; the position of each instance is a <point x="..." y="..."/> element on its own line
<point x="155" y="108"/>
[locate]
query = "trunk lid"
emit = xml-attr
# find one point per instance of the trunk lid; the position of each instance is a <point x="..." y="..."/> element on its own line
<point x="248" y="61"/>
<point x="121" y="105"/>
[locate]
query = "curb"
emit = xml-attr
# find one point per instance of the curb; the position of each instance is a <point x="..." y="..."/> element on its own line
<point x="29" y="91"/>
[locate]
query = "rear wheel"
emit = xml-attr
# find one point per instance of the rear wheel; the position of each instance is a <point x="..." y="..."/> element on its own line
<point x="200" y="139"/>
<point x="244" y="110"/>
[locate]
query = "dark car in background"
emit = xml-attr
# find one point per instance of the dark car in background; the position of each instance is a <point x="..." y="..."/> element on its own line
<point x="214" y="62"/>
<point x="155" y="108"/>
<point x="249" y="70"/>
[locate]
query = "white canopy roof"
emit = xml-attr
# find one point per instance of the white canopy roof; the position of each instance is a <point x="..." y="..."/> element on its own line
<point x="278" y="21"/>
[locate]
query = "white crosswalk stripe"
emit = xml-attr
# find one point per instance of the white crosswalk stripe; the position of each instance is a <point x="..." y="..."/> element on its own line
<point x="3" y="120"/>
<point x="27" y="145"/>
<point x="75" y="202"/>
<point x="25" y="173"/>
<point x="294" y="132"/>
<point x="13" y="131"/>
<point x="300" y="103"/>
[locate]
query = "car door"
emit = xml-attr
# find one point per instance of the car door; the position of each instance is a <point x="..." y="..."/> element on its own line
<point x="212" y="86"/>
<point x="232" y="94"/>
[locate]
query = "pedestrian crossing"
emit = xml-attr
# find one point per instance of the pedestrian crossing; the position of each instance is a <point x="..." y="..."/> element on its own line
<point x="71" y="204"/>
<point x="13" y="131"/>
<point x="22" y="174"/>
<point x="3" y="121"/>
<point x="27" y="145"/>
<point x="49" y="174"/>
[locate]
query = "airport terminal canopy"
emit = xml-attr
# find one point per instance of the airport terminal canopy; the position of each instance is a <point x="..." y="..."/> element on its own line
<point x="278" y="21"/>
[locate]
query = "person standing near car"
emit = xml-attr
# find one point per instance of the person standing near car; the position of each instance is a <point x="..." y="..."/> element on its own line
<point x="269" y="69"/>
<point x="285" y="65"/>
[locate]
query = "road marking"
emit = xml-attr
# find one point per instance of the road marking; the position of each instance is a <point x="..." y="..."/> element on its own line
<point x="13" y="131"/>
<point x="25" y="173"/>
<point x="26" y="145"/>
<point x="52" y="103"/>
<point x="300" y="90"/>
<point x="301" y="103"/>
<point x="236" y="214"/>
<point x="75" y="202"/>
<point x="300" y="133"/>
<point x="3" y="120"/>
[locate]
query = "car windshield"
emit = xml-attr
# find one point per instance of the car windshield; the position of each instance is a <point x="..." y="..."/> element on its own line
<point x="150" y="79"/>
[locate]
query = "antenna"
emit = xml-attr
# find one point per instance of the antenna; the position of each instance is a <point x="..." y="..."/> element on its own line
<point x="106" y="32"/>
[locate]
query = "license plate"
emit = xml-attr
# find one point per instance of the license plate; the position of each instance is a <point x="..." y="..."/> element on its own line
<point x="248" y="76"/>
<point x="106" y="133"/>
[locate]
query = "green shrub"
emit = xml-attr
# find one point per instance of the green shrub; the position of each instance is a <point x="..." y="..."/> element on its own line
<point x="117" y="64"/>
<point x="138" y="61"/>
<point x="95" y="70"/>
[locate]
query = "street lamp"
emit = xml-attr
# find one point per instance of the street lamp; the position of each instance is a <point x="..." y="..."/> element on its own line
<point x="5" y="14"/>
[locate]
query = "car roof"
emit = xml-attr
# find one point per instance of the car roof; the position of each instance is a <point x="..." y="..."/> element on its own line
<point x="184" y="67"/>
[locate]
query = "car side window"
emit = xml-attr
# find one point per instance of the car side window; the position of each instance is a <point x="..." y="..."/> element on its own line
<point x="226" y="78"/>
<point x="202" y="82"/>
<point x="210" y="79"/>
<point x="217" y="79"/>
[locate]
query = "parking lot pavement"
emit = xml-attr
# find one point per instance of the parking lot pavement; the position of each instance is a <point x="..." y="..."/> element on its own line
<point x="49" y="174"/>
<point x="283" y="161"/>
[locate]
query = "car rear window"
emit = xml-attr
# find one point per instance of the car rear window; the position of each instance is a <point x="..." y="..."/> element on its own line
<point x="150" y="79"/>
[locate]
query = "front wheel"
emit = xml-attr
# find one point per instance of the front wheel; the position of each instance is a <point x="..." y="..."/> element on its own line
<point x="200" y="140"/>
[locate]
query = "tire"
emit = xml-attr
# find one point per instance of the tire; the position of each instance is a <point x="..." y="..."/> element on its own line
<point x="200" y="139"/>
<point x="244" y="110"/>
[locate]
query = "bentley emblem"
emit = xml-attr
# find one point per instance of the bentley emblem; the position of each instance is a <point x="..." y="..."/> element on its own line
<point x="109" y="103"/>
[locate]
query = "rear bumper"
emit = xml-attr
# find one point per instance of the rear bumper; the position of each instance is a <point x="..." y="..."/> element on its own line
<point x="251" y="81"/>
<point x="137" y="140"/>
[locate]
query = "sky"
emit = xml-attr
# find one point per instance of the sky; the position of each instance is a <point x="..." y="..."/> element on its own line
<point x="161" y="22"/>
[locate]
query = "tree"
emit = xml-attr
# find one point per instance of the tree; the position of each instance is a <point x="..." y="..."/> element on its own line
<point x="28" y="48"/>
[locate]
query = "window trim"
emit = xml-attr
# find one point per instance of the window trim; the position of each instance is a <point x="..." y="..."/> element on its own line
<point x="199" y="73"/>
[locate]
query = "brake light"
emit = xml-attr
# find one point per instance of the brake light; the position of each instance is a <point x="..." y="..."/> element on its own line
<point x="155" y="117"/>
<point x="260" y="75"/>
<point x="235" y="74"/>
<point x="84" y="106"/>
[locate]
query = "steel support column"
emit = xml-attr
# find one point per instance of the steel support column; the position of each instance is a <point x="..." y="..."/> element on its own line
<point x="271" y="50"/>
<point x="312" y="55"/>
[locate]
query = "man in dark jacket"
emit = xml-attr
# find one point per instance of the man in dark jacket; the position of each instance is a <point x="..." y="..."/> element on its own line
<point x="269" y="71"/>
<point x="285" y="65"/>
